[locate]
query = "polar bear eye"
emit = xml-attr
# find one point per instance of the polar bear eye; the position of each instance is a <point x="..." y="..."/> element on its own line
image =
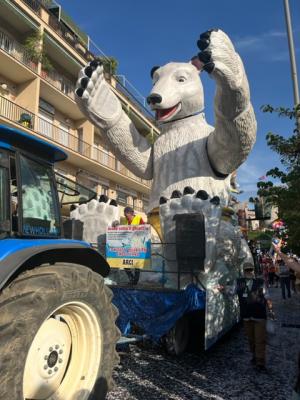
<point x="181" y="79"/>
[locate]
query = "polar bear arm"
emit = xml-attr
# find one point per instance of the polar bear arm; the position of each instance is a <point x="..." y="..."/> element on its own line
<point x="101" y="106"/>
<point x="232" y="140"/>
<point x="131" y="148"/>
<point x="235" y="126"/>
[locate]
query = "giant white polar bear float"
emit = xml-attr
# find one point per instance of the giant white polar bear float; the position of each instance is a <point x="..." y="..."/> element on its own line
<point x="190" y="163"/>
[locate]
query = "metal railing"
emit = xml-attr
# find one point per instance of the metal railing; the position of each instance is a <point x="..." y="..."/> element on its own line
<point x="138" y="100"/>
<point x="124" y="86"/>
<point x="35" y="5"/>
<point x="17" y="51"/>
<point x="68" y="36"/>
<point x="61" y="136"/>
<point x="17" y="114"/>
<point x="63" y="84"/>
<point x="109" y="161"/>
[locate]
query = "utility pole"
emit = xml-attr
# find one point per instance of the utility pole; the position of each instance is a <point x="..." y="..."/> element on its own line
<point x="292" y="59"/>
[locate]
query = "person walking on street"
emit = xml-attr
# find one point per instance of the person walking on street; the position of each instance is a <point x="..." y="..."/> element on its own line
<point x="290" y="262"/>
<point x="254" y="304"/>
<point x="293" y="280"/>
<point x="284" y="278"/>
<point x="271" y="269"/>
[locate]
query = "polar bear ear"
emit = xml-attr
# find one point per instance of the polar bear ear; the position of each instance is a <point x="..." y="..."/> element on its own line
<point x="153" y="70"/>
<point x="197" y="63"/>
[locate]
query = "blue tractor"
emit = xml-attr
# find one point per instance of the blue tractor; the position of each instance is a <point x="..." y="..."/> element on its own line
<point x="57" y="322"/>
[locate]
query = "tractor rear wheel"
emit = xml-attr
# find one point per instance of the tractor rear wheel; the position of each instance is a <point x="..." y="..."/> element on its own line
<point x="58" y="335"/>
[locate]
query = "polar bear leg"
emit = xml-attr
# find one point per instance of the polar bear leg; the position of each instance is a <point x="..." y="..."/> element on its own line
<point x="188" y="203"/>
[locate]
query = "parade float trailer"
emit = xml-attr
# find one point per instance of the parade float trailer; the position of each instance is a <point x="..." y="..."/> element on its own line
<point x="173" y="308"/>
<point x="189" y="308"/>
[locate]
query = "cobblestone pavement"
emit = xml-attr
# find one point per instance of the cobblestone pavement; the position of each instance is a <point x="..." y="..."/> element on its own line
<point x="224" y="372"/>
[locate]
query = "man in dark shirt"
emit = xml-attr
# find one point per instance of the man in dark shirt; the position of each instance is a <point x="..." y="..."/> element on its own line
<point x="254" y="303"/>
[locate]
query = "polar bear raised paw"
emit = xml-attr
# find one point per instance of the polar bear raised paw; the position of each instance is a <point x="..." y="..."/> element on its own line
<point x="94" y="97"/>
<point x="219" y="58"/>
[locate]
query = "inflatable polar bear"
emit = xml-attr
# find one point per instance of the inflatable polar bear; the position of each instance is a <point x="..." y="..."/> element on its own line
<point x="189" y="156"/>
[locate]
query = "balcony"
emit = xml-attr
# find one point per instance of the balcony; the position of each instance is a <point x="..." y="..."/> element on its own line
<point x="27" y="119"/>
<point x="61" y="83"/>
<point x="102" y="157"/>
<point x="63" y="31"/>
<point x="16" y="114"/>
<point x="137" y="99"/>
<point x="35" y="5"/>
<point x="17" y="51"/>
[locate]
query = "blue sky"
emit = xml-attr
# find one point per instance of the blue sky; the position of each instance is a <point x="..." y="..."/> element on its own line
<point x="141" y="34"/>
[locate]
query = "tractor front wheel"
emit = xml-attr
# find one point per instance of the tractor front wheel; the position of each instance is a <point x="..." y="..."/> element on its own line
<point x="58" y="335"/>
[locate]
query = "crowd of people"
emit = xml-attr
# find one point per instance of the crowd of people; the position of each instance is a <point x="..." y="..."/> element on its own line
<point x="277" y="271"/>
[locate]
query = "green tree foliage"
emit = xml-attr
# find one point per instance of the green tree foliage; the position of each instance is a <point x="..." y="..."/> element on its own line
<point x="286" y="193"/>
<point x="34" y="47"/>
<point x="110" y="64"/>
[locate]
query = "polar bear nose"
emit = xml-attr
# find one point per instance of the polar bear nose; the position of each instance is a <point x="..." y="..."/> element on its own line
<point x="154" y="98"/>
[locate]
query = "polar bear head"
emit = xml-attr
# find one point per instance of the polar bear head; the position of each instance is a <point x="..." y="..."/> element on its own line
<point x="177" y="91"/>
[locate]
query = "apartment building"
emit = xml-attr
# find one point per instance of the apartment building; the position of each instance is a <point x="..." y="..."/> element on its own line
<point x="41" y="53"/>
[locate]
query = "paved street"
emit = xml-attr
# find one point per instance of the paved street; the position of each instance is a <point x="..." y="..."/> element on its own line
<point x="223" y="373"/>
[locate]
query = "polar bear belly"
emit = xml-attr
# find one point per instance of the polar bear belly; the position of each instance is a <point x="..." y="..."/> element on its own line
<point x="180" y="160"/>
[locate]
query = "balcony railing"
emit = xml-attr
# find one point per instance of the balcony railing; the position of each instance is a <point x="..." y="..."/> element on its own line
<point x="138" y="100"/>
<point x="68" y="35"/>
<point x="63" y="84"/>
<point x="17" y="51"/>
<point x="16" y="113"/>
<point x="35" y="5"/>
<point x="109" y="161"/>
<point x="61" y="136"/>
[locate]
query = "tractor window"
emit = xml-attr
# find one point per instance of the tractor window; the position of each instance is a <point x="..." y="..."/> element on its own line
<point x="71" y="192"/>
<point x="4" y="205"/>
<point x="39" y="201"/>
<point x="13" y="193"/>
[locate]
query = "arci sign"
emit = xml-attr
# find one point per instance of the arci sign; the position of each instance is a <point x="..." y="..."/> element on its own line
<point x="128" y="246"/>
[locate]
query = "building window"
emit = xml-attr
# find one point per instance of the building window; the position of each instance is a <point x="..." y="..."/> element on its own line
<point x="121" y="198"/>
<point x="135" y="203"/>
<point x="101" y="151"/>
<point x="64" y="134"/>
<point x="80" y="147"/>
<point x="7" y="43"/>
<point x="104" y="190"/>
<point x="45" y="126"/>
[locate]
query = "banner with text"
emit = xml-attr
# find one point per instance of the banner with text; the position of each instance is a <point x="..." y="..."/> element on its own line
<point x="128" y="246"/>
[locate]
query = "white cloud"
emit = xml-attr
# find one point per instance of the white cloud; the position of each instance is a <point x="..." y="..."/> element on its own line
<point x="259" y="41"/>
<point x="248" y="175"/>
<point x="281" y="56"/>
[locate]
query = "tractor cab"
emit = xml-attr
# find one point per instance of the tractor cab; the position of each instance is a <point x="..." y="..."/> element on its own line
<point x="31" y="194"/>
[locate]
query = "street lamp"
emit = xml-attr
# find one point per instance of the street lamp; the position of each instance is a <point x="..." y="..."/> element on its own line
<point x="292" y="59"/>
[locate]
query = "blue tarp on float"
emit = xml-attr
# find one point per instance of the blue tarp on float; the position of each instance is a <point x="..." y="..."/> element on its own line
<point x="154" y="311"/>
